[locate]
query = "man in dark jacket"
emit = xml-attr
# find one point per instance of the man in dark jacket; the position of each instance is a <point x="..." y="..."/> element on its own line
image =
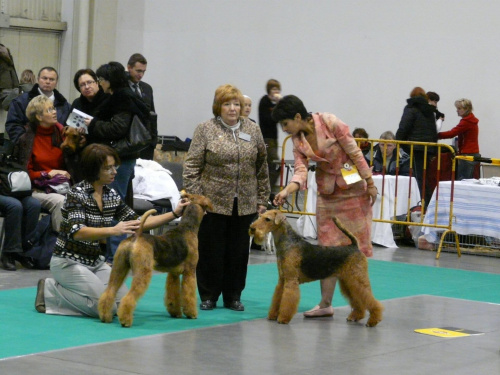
<point x="136" y="66"/>
<point x="391" y="155"/>
<point x="47" y="81"/>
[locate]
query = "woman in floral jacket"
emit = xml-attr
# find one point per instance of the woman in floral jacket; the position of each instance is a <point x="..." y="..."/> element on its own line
<point x="226" y="162"/>
<point x="345" y="186"/>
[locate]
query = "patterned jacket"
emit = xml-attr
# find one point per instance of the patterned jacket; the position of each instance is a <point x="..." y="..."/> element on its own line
<point x="81" y="210"/>
<point x="336" y="147"/>
<point x="222" y="165"/>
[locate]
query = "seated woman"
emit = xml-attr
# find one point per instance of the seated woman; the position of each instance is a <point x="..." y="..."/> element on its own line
<point x="363" y="145"/>
<point x="38" y="150"/>
<point x="390" y="149"/>
<point x="78" y="266"/>
<point x="20" y="220"/>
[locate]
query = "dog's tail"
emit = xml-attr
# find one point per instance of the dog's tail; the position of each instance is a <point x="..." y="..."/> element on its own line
<point x="138" y="232"/>
<point x="339" y="225"/>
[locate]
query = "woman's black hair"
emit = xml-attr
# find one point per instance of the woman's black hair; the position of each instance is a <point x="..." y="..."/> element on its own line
<point x="114" y="73"/>
<point x="288" y="107"/>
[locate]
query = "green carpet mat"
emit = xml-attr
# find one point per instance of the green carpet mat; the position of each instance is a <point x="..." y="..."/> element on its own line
<point x="24" y="331"/>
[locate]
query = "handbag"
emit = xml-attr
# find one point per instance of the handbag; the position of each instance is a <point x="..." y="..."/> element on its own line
<point x="14" y="180"/>
<point x="138" y="139"/>
<point x="58" y="184"/>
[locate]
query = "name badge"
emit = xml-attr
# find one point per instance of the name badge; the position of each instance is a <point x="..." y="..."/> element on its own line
<point x="350" y="174"/>
<point x="245" y="136"/>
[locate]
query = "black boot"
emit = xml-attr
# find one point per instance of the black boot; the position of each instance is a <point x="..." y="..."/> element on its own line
<point x="8" y="262"/>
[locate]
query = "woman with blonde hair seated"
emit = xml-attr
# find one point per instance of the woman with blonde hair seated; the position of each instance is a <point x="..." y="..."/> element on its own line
<point x="38" y="150"/>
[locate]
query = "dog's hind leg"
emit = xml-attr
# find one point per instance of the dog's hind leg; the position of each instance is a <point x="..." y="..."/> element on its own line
<point x="172" y="298"/>
<point x="142" y="273"/>
<point x="355" y="286"/>
<point x="350" y="290"/>
<point x="289" y="301"/>
<point x="276" y="302"/>
<point x="107" y="306"/>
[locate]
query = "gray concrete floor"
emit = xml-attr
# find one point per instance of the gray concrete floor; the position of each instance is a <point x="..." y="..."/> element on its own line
<point x="305" y="346"/>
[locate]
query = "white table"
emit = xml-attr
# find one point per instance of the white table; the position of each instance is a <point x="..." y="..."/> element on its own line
<point x="476" y="209"/>
<point x="381" y="232"/>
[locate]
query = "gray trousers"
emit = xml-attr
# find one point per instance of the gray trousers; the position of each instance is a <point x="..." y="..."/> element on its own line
<point x="53" y="203"/>
<point x="76" y="288"/>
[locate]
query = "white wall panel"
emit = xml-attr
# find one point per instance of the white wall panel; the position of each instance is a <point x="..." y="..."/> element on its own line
<point x="356" y="58"/>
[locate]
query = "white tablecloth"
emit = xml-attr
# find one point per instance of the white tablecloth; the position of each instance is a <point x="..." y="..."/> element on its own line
<point x="476" y="209"/>
<point x="381" y="232"/>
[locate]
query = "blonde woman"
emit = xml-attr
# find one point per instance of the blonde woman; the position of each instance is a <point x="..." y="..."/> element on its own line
<point x="467" y="132"/>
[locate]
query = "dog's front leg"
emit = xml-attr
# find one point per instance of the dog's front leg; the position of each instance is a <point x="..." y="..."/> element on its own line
<point x="188" y="294"/>
<point x="289" y="301"/>
<point x="173" y="295"/>
<point x="276" y="302"/>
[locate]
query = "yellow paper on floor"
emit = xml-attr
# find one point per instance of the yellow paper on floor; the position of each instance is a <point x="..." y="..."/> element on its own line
<point x="447" y="332"/>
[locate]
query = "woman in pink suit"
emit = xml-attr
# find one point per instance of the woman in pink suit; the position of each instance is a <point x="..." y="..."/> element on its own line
<point x="345" y="186"/>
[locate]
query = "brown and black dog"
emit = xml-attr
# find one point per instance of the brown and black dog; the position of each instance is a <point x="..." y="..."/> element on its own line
<point x="73" y="144"/>
<point x="175" y="252"/>
<point x="301" y="262"/>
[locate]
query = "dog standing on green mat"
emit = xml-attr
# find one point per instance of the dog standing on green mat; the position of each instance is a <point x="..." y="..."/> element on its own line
<point x="300" y="262"/>
<point x="175" y="252"/>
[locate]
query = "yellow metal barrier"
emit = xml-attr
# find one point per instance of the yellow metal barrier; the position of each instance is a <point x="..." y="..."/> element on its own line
<point x="291" y="209"/>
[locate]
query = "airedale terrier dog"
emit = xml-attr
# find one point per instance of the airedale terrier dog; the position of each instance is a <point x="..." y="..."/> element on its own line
<point x="175" y="252"/>
<point x="301" y="262"/>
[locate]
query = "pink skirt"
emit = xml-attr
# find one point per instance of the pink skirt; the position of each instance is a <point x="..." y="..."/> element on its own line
<point x="352" y="207"/>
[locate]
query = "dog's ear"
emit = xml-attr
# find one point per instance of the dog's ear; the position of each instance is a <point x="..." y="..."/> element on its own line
<point x="279" y="218"/>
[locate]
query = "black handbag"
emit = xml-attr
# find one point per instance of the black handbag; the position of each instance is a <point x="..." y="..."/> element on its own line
<point x="138" y="139"/>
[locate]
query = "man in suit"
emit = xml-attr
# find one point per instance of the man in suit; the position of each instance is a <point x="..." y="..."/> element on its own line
<point x="136" y="66"/>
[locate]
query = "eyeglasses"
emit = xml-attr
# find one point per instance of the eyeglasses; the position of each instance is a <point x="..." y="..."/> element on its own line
<point x="100" y="79"/>
<point x="85" y="84"/>
<point x="110" y="168"/>
<point x="51" y="110"/>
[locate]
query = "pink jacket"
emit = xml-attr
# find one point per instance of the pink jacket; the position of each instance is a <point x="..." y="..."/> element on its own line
<point x="336" y="146"/>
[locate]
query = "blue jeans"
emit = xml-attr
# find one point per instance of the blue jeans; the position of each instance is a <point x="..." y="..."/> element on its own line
<point x="120" y="184"/>
<point x="20" y="220"/>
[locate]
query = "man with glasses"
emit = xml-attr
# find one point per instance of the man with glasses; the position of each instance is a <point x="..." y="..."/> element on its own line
<point x="47" y="82"/>
<point x="136" y="66"/>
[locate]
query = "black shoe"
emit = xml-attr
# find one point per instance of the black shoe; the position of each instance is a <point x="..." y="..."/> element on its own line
<point x="208" y="305"/>
<point x="26" y="262"/>
<point x="40" y="296"/>
<point x="8" y="262"/>
<point x="234" y="305"/>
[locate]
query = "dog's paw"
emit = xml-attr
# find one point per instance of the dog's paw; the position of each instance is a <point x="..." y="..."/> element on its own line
<point x="126" y="323"/>
<point x="355" y="316"/>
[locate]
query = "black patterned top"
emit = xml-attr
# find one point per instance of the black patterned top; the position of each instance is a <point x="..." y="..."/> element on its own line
<point x="81" y="210"/>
